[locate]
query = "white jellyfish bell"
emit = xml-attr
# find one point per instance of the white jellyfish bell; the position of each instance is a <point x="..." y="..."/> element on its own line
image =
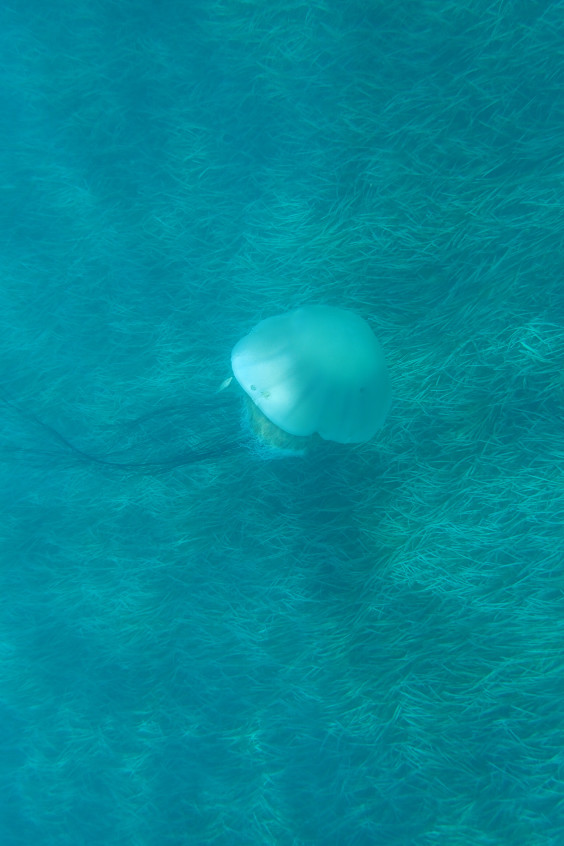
<point x="316" y="372"/>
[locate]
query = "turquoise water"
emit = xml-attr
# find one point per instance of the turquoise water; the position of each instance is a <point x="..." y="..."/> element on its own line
<point x="201" y="646"/>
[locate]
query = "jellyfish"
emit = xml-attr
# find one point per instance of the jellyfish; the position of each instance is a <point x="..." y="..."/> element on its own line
<point x="316" y="373"/>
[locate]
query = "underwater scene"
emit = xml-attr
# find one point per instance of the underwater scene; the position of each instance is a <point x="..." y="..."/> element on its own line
<point x="282" y="423"/>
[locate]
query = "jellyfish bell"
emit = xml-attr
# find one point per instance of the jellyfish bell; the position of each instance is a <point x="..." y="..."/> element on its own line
<point x="316" y="373"/>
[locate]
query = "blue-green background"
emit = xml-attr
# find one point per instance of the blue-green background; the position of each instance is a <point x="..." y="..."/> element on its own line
<point x="364" y="646"/>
